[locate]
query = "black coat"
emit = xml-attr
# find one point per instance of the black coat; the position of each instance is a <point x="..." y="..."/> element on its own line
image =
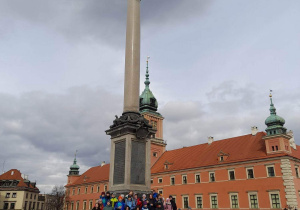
<point x="174" y="206"/>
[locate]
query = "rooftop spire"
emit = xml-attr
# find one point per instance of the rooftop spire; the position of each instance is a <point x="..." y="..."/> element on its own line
<point x="74" y="169"/>
<point x="272" y="107"/>
<point x="147" y="82"/>
<point x="274" y="122"/>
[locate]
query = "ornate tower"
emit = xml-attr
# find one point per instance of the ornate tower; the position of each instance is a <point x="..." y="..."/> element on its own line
<point x="148" y="108"/>
<point x="130" y="144"/>
<point x="74" y="172"/>
<point x="277" y="141"/>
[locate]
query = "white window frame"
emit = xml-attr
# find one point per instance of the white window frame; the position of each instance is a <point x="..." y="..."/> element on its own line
<point x="230" y="170"/>
<point x="172" y="177"/>
<point x="91" y="206"/>
<point x="151" y="181"/>
<point x="158" y="180"/>
<point x="247" y="168"/>
<point x="77" y="205"/>
<point x="160" y="191"/>
<point x="210" y="195"/>
<point x="270" y="198"/>
<point x="85" y="190"/>
<point x="269" y="166"/>
<point x="212" y="172"/>
<point x="196" y="204"/>
<point x="249" y="198"/>
<point x="105" y="188"/>
<point x="230" y="194"/>
<point x="196" y="178"/>
<point x="78" y="190"/>
<point x="185" y="178"/>
<point x="188" y="199"/>
<point x="84" y="205"/>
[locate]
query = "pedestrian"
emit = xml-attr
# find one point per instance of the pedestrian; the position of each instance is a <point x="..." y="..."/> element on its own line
<point x="113" y="200"/>
<point x="154" y="194"/>
<point x="139" y="203"/>
<point x="120" y="205"/>
<point x="107" y="196"/>
<point x="159" y="202"/>
<point x="129" y="205"/>
<point x="151" y="202"/>
<point x="100" y="203"/>
<point x="145" y="206"/>
<point x="96" y="207"/>
<point x="174" y="206"/>
<point x="168" y="205"/>
<point x="102" y="197"/>
<point x="108" y="206"/>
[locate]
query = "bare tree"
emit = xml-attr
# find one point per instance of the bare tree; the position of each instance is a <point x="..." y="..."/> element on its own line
<point x="55" y="200"/>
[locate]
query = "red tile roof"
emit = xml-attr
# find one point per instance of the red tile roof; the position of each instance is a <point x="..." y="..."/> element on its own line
<point x="94" y="174"/>
<point x="14" y="174"/>
<point x="240" y="148"/>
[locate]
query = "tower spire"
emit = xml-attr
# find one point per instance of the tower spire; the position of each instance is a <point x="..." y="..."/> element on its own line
<point x="147" y="81"/>
<point x="272" y="107"/>
<point x="74" y="169"/>
<point x="274" y="122"/>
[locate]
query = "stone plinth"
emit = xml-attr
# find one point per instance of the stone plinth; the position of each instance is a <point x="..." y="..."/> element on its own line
<point x="130" y="154"/>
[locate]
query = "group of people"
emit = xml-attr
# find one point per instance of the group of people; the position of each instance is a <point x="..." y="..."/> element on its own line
<point x="132" y="201"/>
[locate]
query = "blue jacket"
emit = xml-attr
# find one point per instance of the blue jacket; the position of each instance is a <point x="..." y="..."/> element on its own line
<point x="118" y="204"/>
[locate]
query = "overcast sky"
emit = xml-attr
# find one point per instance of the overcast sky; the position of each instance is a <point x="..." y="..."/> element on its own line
<point x="212" y="65"/>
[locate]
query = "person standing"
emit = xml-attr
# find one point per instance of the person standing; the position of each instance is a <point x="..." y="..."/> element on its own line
<point x="159" y="205"/>
<point x="108" y="206"/>
<point x="168" y="205"/>
<point x="174" y="206"/>
<point x="113" y="200"/>
<point x="96" y="207"/>
<point x="151" y="202"/>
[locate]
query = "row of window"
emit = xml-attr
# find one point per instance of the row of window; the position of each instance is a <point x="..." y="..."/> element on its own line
<point x="231" y="176"/>
<point x="9" y="205"/>
<point x="234" y="201"/>
<point x="31" y="196"/>
<point x="8" y="183"/>
<point x="91" y="191"/>
<point x="33" y="205"/>
<point x="84" y="205"/>
<point x="14" y="195"/>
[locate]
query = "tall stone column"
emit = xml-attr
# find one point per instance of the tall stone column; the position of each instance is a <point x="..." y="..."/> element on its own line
<point x="130" y="143"/>
<point x="132" y="57"/>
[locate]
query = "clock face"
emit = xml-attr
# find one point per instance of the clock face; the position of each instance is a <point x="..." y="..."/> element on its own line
<point x="142" y="133"/>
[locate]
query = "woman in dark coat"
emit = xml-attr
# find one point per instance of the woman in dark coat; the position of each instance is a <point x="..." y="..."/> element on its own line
<point x="159" y="204"/>
<point x="151" y="205"/>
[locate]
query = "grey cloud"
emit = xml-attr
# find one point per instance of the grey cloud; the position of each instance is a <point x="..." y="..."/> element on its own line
<point x="103" y="20"/>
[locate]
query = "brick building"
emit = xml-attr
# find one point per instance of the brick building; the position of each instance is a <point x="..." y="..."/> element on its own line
<point x="255" y="171"/>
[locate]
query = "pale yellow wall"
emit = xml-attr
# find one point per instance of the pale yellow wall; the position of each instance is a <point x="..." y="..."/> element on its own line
<point x="20" y="199"/>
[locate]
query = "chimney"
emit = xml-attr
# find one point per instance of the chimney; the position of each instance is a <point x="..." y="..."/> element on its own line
<point x="210" y="140"/>
<point x="254" y="130"/>
<point x="103" y="163"/>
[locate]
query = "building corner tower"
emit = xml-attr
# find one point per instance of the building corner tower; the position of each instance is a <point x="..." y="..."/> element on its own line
<point x="148" y="108"/>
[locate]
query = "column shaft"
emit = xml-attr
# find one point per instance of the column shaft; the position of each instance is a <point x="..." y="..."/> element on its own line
<point x="132" y="58"/>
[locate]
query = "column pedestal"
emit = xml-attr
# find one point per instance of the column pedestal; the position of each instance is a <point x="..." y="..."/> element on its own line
<point x="130" y="160"/>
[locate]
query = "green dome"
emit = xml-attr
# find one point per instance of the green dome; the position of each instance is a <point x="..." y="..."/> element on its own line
<point x="74" y="166"/>
<point x="147" y="99"/>
<point x="74" y="169"/>
<point x="274" y="119"/>
<point x="274" y="122"/>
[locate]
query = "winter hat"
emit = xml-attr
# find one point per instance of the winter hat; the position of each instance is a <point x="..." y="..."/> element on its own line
<point x="103" y="193"/>
<point x="144" y="195"/>
<point x="120" y="197"/>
